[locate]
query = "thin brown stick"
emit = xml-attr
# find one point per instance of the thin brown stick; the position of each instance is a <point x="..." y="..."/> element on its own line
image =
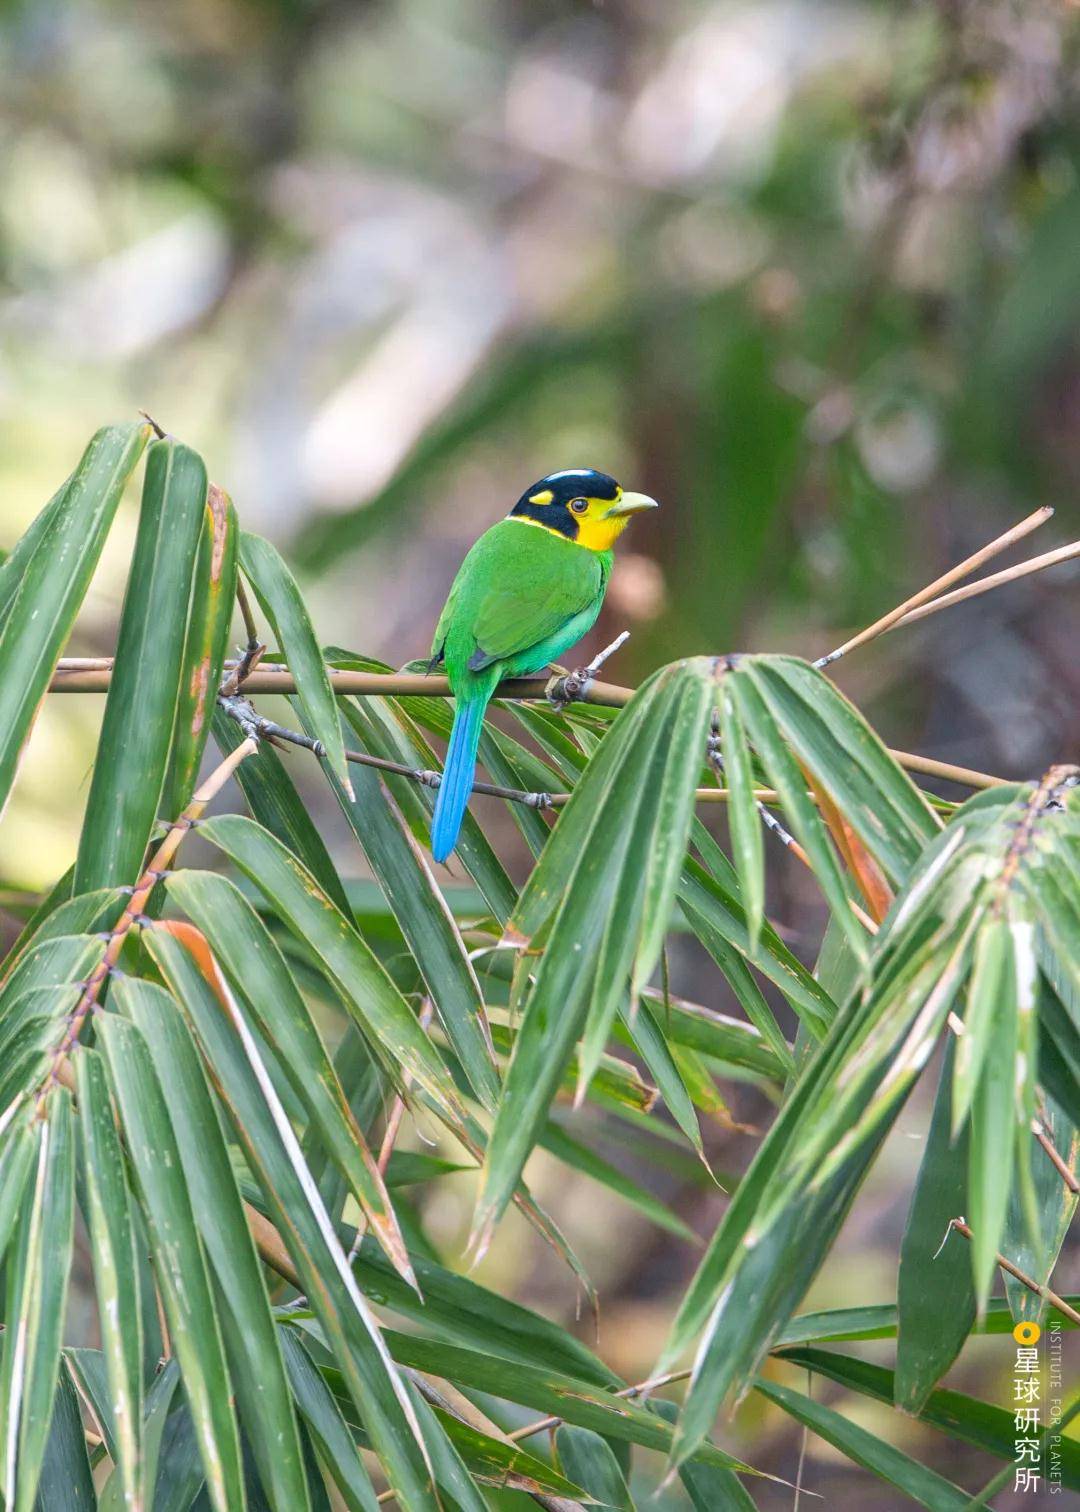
<point x="1033" y="1286"/>
<point x="653" y="1384"/>
<point x="946" y="580"/>
<point x="1056" y="1158"/>
<point x="159" y="865"/>
<point x="995" y="580"/>
<point x="77" y="679"/>
<point x="246" y="614"/>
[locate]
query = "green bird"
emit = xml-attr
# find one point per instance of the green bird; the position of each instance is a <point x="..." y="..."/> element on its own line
<point x="529" y="589"/>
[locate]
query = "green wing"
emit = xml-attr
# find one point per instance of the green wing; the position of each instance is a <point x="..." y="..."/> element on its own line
<point x="518" y="587"/>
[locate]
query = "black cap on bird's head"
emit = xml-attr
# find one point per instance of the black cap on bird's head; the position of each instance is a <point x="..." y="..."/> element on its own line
<point x="584" y="505"/>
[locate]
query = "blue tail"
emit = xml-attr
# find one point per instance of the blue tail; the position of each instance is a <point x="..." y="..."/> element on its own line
<point x="458" y="773"/>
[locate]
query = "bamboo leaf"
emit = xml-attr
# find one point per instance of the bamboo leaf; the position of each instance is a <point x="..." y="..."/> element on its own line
<point x="951" y="1412"/>
<point x="66" y="1483"/>
<point x="257" y="970"/>
<point x="179" y="1264"/>
<point x="327" y="1427"/>
<point x="116" y="1275"/>
<point x="993" y="1135"/>
<point x="426" y="924"/>
<point x="923" y="1486"/>
<point x="250" y="1334"/>
<point x="785" y="777"/>
<point x="275" y="1159"/>
<point x="274" y="803"/>
<point x="384" y="729"/>
<point x="281" y="602"/>
<point x="711" y="1488"/>
<point x="589" y="885"/>
<point x="577" y="1155"/>
<point x="388" y="1023"/>
<point x="206" y="644"/>
<point x="935" y="1297"/>
<point x="145" y="688"/>
<point x="54" y="583"/>
<point x="37" y="1276"/>
<point x="747" y="841"/>
<point x="587" y="1459"/>
<point x="993" y="957"/>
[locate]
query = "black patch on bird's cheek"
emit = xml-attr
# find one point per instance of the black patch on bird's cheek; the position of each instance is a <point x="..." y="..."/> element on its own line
<point x="554" y="516"/>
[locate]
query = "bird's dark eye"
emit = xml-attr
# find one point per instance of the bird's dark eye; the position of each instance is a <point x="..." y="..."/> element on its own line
<point x="579" y="506"/>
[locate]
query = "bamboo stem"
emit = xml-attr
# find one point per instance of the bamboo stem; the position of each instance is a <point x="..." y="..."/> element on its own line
<point x="1034" y="1286"/>
<point x="946" y="580"/>
<point x="159" y="864"/>
<point x="76" y="677"/>
<point x="995" y="580"/>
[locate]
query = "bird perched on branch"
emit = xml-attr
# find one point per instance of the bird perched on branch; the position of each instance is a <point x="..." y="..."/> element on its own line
<point x="527" y="591"/>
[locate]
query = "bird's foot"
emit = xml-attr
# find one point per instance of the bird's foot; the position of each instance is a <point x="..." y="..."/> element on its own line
<point x="572" y="687"/>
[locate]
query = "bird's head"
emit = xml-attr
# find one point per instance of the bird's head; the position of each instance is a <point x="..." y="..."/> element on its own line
<point x="586" y="506"/>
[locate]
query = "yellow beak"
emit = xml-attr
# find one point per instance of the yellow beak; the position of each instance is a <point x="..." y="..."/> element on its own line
<point x="629" y="504"/>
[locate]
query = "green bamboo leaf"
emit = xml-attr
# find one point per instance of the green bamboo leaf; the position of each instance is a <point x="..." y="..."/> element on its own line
<point x="645" y="1032"/>
<point x="923" y="1486"/>
<point x="935" y="1297"/>
<point x="384" y="729"/>
<point x="331" y="1436"/>
<point x="180" y="1266"/>
<point x="470" y="1314"/>
<point x="145" y="689"/>
<point x="388" y="1023"/>
<point x="275" y="1159"/>
<point x="572" y="1399"/>
<point x="594" y="936"/>
<point x="250" y="1334"/>
<point x="839" y="1325"/>
<point x="257" y="971"/>
<point x="37" y="1286"/>
<point x="675" y="812"/>
<point x="55" y="580"/>
<point x="58" y="894"/>
<point x="847" y="759"/>
<point x="784" y="775"/>
<point x="587" y="1459"/>
<point x="274" y="803"/>
<point x="721" y="1038"/>
<point x="628" y="853"/>
<point x="451" y="1473"/>
<point x="716" y="915"/>
<point x="577" y="1155"/>
<point x="747" y="841"/>
<point x="281" y="602"/>
<point x="992" y="959"/>
<point x="711" y="1488"/>
<point x="90" y="1374"/>
<point x="156" y="1419"/>
<point x="116" y="1276"/>
<point x="951" y="1412"/>
<point x="206" y="643"/>
<point x="17" y="560"/>
<point x="17" y="1149"/>
<point x="66" y="1483"/>
<point x="426" y="924"/>
<point x="1056" y="1206"/>
<point x="993" y="1136"/>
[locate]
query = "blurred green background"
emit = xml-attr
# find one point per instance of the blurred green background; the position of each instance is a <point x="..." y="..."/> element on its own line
<point x="809" y="273"/>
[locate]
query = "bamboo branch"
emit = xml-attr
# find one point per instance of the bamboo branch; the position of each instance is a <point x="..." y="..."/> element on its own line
<point x="1056" y="1158"/>
<point x="946" y="580"/>
<point x="76" y="676"/>
<point x="995" y="580"/>
<point x="1033" y="1286"/>
<point x="140" y="894"/>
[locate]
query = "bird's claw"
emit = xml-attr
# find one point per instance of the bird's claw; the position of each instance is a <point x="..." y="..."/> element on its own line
<point x="571" y="687"/>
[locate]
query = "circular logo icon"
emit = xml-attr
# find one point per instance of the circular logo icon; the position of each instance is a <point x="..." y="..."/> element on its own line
<point x="1027" y="1333"/>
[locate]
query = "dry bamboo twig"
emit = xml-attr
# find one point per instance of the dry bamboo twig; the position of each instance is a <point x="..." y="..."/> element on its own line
<point x="995" y="580"/>
<point x="76" y="677"/>
<point x="946" y="580"/>
<point x="140" y="893"/>
<point x="1047" y="1295"/>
